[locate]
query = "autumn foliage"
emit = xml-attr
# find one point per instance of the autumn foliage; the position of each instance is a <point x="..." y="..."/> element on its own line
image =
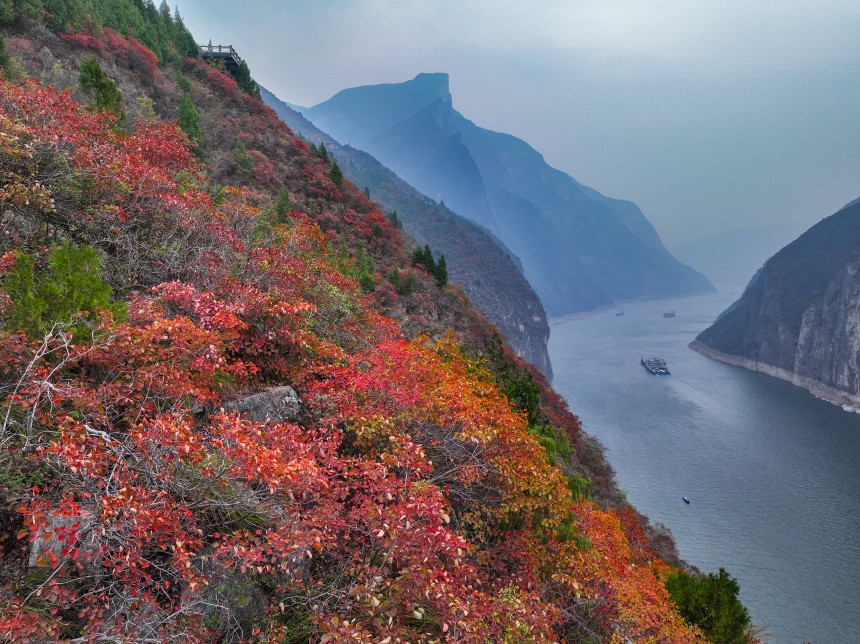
<point x="406" y="502"/>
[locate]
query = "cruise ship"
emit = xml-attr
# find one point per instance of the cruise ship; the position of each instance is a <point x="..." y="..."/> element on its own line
<point x="657" y="366"/>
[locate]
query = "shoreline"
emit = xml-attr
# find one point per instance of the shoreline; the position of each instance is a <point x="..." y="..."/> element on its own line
<point x="843" y="399"/>
<point x="578" y="316"/>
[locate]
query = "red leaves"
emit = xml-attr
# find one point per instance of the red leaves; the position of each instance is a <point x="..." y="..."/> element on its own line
<point x="408" y="502"/>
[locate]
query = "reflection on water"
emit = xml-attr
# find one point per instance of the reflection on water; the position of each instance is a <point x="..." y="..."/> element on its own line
<point x="771" y="472"/>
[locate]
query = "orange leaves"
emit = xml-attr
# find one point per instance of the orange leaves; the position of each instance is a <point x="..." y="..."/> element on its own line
<point x="627" y="591"/>
<point x="450" y="407"/>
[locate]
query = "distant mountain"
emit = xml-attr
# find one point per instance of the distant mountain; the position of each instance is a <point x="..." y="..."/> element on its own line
<point x="799" y="319"/>
<point x="580" y="250"/>
<point x="488" y="272"/>
<point x="731" y="258"/>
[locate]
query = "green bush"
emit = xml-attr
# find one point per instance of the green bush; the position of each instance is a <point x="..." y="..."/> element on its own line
<point x="189" y="122"/>
<point x="95" y="83"/>
<point x="712" y="604"/>
<point x="71" y="284"/>
<point x="243" y="161"/>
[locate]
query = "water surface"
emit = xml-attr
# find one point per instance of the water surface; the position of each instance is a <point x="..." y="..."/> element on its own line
<point x="771" y="471"/>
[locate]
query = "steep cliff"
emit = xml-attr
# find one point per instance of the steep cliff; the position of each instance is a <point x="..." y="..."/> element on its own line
<point x="580" y="250"/>
<point x="799" y="318"/>
<point x="477" y="260"/>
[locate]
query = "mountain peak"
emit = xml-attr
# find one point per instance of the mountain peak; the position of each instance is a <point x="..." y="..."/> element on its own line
<point x="433" y="84"/>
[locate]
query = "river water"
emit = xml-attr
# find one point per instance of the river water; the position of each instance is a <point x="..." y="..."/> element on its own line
<point x="771" y="472"/>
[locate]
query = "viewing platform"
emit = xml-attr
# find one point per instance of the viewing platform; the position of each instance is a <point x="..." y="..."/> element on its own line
<point x="226" y="53"/>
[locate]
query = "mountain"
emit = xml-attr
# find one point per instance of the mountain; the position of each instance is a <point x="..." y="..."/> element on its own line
<point x="798" y="318"/>
<point x="580" y="250"/>
<point x="731" y="258"/>
<point x="476" y="260"/>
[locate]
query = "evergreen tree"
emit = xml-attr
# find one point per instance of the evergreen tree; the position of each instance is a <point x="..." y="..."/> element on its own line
<point x="189" y="121"/>
<point x="394" y="219"/>
<point x="72" y="284"/>
<point x="7" y="12"/>
<point x="335" y="174"/>
<point x="246" y="82"/>
<point x="712" y="604"/>
<point x="95" y="83"/>
<point x="4" y="58"/>
<point x="322" y="153"/>
<point x="282" y="206"/>
<point x="441" y="272"/>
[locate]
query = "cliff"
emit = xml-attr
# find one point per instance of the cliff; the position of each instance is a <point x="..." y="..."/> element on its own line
<point x="580" y="249"/>
<point x="476" y="259"/>
<point x="799" y="319"/>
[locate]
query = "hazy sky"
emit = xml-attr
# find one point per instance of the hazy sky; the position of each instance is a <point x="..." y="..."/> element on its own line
<point x="709" y="114"/>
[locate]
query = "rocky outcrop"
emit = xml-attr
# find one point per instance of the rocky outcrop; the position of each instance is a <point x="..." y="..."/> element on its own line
<point x="280" y="404"/>
<point x="799" y="320"/>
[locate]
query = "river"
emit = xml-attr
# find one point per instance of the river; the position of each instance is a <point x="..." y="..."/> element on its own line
<point x="771" y="472"/>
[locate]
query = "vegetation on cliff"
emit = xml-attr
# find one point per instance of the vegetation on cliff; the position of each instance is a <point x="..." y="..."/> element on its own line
<point x="409" y="500"/>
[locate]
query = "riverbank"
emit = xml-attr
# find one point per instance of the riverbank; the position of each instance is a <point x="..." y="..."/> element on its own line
<point x="837" y="397"/>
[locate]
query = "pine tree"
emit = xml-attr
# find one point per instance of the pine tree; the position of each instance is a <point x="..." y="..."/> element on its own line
<point x="189" y="121"/>
<point x="322" y="152"/>
<point x="282" y="206"/>
<point x="4" y="58"/>
<point x="440" y="272"/>
<point x="335" y="174"/>
<point x="95" y="83"/>
<point x="72" y="284"/>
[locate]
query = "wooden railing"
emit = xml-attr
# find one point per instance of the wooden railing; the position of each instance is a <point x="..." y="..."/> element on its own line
<point x="219" y="49"/>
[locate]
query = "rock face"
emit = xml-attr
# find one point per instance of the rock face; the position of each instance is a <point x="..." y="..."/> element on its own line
<point x="488" y="271"/>
<point x="580" y="250"/>
<point x="280" y="404"/>
<point x="799" y="319"/>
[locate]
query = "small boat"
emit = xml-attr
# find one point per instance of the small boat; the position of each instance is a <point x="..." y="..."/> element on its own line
<point x="669" y="314"/>
<point x="686" y="500"/>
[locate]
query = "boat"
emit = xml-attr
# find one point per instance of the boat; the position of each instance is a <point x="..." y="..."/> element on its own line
<point x="669" y="314"/>
<point x="657" y="366"/>
<point x="686" y="500"/>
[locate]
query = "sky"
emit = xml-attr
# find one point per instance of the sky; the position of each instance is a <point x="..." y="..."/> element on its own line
<point x="709" y="114"/>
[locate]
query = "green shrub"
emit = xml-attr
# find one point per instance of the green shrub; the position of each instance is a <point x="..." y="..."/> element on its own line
<point x="95" y="83"/>
<point x="189" y="122"/>
<point x="71" y="284"/>
<point x="244" y="162"/>
<point x="712" y="604"/>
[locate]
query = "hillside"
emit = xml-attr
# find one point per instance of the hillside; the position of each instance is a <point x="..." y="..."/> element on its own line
<point x="579" y="249"/>
<point x="797" y="319"/>
<point x="222" y="420"/>
<point x="475" y="259"/>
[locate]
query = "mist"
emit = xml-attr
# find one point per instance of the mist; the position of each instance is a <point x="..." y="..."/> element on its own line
<point x="710" y="115"/>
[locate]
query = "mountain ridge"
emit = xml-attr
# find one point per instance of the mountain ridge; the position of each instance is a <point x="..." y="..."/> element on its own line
<point x="580" y="249"/>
